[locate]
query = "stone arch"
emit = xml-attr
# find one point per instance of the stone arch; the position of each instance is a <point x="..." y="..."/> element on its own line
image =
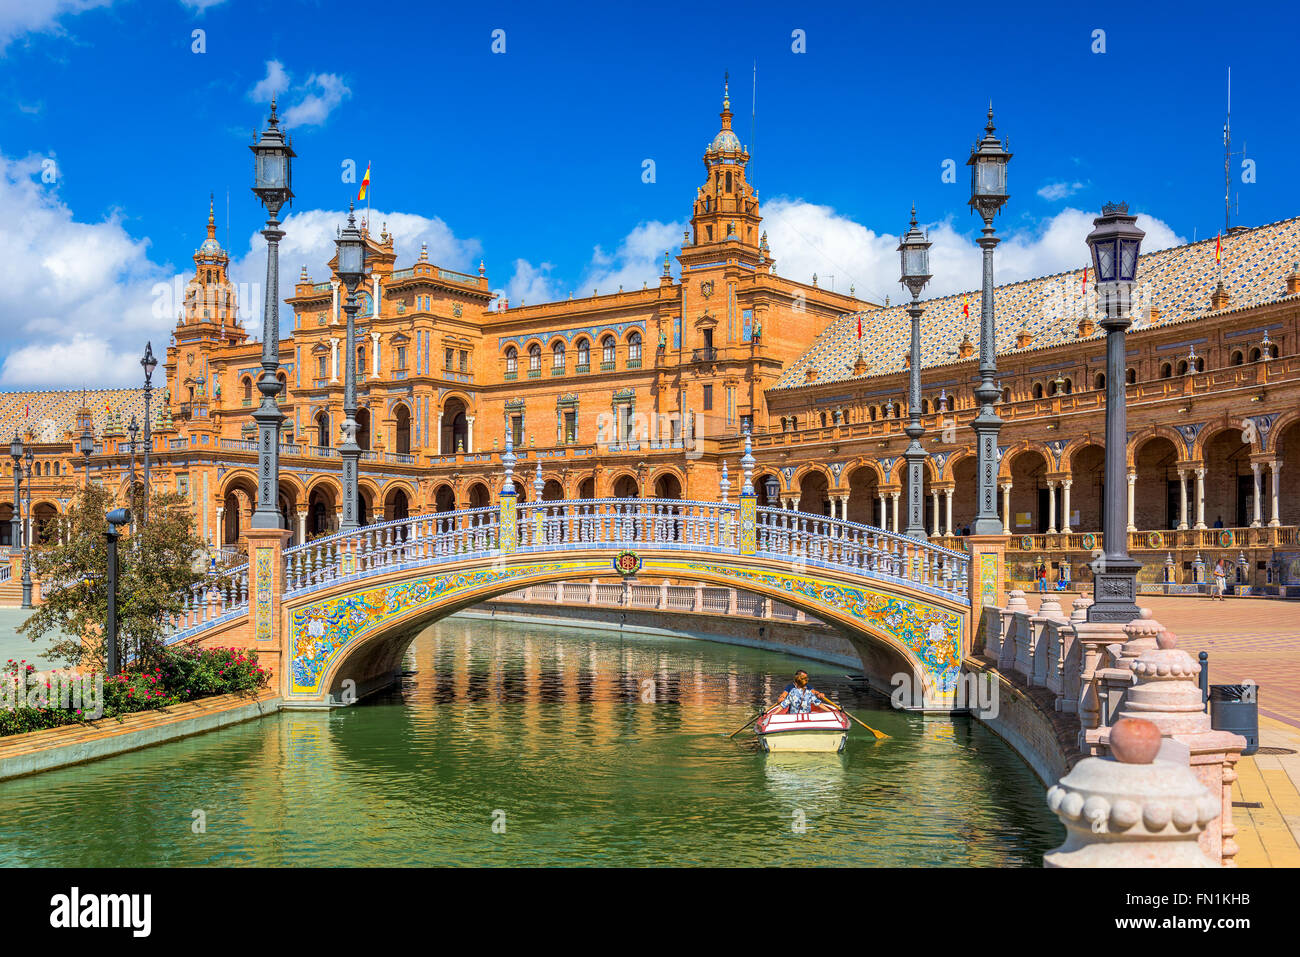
<point x="625" y="485"/>
<point x="1027" y="468"/>
<point x="401" y="429"/>
<point x="955" y="458"/>
<point x="454" y="426"/>
<point x="668" y="472"/>
<point x="760" y="488"/>
<point x="397" y="500"/>
<point x="864" y="479"/>
<point x="45" y="520"/>
<point x="1228" y="477"/>
<point x="1086" y="461"/>
<point x="478" y="495"/>
<point x="1150" y="432"/>
<point x="444" y="498"/>
<point x="586" y="487"/>
<point x="1283" y="422"/>
<point x="1154" y="455"/>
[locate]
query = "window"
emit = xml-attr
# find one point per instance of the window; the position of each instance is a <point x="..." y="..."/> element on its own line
<point x="512" y="361"/>
<point x="517" y="429"/>
<point x="708" y="338"/>
<point x="248" y="389"/>
<point x="1100" y="382"/>
<point x="708" y="398"/>
<point x="570" y="427"/>
<point x="557" y="357"/>
<point x="607" y="352"/>
<point x="634" y="350"/>
<point x="728" y="187"/>
<point x="448" y="355"/>
<point x="1237" y="357"/>
<point x="1166" y="371"/>
<point x="534" y="359"/>
<point x="361" y="359"/>
<point x="1131" y="376"/>
<point x="1038" y="390"/>
<point x="401" y="357"/>
<point x="584" y="354"/>
<point x="464" y="360"/>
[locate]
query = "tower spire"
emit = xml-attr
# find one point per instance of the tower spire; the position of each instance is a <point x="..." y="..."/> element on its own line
<point x="212" y="222"/>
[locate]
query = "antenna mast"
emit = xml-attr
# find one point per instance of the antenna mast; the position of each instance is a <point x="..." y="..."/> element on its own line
<point x="1227" y="162"/>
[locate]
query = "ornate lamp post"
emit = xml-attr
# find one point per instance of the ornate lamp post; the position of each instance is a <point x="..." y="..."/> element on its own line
<point x="1115" y="243"/>
<point x="773" y="489"/>
<point x="16" y="519"/>
<point x="988" y="163"/>
<point x="351" y="267"/>
<point x="148" y="363"/>
<point x="272" y="184"/>
<point x="86" y="446"/>
<point x="133" y="431"/>
<point x="914" y="254"/>
<point x="28" y="455"/>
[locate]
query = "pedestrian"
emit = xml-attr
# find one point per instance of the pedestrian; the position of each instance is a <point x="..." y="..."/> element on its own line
<point x="1042" y="576"/>
<point x="1220" y="581"/>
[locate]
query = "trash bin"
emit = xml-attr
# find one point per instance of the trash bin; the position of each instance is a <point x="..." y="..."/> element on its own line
<point x="1235" y="708"/>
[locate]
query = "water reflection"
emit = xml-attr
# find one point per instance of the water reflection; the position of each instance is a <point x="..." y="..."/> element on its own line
<point x="591" y="748"/>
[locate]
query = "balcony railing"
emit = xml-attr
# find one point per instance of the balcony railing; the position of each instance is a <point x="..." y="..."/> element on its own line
<point x="706" y="354"/>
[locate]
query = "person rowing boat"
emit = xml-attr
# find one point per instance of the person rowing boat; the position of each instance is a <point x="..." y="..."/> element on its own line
<point x="799" y="698"/>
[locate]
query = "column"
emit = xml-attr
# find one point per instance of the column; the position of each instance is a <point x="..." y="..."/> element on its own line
<point x="884" y="512"/>
<point x="1200" y="498"/>
<point x="334" y="300"/>
<point x="220" y="538"/>
<point x="374" y="359"/>
<point x="1051" y="508"/>
<point x="794" y="503"/>
<point x="1065" y="506"/>
<point x="302" y="525"/>
<point x="1258" y="520"/>
<point x="438" y="435"/>
<point x="1275" y="467"/>
<point x="374" y="311"/>
<point x="935" y="524"/>
<point x="947" y="510"/>
<point x="1182" y="499"/>
<point x="1006" y="508"/>
<point x="469" y="433"/>
<point x="893" y="511"/>
<point x="334" y="359"/>
<point x="1132" y="487"/>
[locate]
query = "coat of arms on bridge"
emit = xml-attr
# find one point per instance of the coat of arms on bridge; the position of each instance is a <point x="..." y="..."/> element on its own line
<point x="627" y="563"/>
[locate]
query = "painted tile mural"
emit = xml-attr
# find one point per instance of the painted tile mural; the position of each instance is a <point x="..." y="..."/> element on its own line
<point x="262" y="625"/>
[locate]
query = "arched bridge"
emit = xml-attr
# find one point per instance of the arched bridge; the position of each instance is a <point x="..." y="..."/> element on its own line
<point x="344" y="608"/>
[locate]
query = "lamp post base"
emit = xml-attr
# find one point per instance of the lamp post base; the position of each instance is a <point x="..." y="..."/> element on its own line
<point x="1114" y="590"/>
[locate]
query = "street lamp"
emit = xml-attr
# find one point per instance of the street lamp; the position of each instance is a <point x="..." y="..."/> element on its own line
<point x="273" y="186"/>
<point x="988" y="163"/>
<point x="148" y="363"/>
<point x="351" y="268"/>
<point x="773" y="489"/>
<point x="1115" y="243"/>
<point x="116" y="518"/>
<point x="914" y="255"/>
<point x="28" y="455"/>
<point x="16" y="519"/>
<point x="86" y="446"/>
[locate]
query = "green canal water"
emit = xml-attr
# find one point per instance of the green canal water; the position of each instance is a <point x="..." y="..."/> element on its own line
<point x="514" y="744"/>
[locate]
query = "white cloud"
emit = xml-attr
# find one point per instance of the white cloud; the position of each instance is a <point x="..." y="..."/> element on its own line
<point x="1054" y="191"/>
<point x="326" y="91"/>
<point x="638" y="259"/>
<point x="529" y="284"/>
<point x="76" y="299"/>
<point x="18" y="17"/>
<point x="807" y="238"/>
<point x="274" y="83"/>
<point x="315" y="99"/>
<point x="201" y="5"/>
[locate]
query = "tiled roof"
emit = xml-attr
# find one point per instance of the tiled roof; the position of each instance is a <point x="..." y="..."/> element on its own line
<point x="1177" y="281"/>
<point x="51" y="415"/>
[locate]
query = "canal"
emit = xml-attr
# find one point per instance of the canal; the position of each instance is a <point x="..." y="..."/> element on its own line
<point x="512" y="744"/>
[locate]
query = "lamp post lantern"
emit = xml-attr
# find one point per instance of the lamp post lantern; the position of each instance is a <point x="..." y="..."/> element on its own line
<point x="1115" y="243"/>
<point x="351" y="268"/>
<point x="28" y="455"/>
<point x="148" y="363"/>
<point x="273" y="185"/>
<point x="988" y="163"/>
<point x="773" y="489"/>
<point x="116" y="518"/>
<point x="914" y="255"/>
<point x="86" y="446"/>
<point x="16" y="518"/>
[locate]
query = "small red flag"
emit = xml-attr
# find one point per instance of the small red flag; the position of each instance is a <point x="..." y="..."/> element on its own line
<point x="859" y="327"/>
<point x="1218" y="247"/>
<point x="1085" y="280"/>
<point x="965" y="306"/>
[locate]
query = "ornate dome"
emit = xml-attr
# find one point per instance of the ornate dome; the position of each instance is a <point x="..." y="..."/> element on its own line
<point x="211" y="247"/>
<point x="725" y="141"/>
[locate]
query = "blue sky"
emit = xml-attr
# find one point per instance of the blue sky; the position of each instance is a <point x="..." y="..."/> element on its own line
<point x="532" y="159"/>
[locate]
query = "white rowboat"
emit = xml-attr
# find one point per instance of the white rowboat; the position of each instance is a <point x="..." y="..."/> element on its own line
<point x="816" y="731"/>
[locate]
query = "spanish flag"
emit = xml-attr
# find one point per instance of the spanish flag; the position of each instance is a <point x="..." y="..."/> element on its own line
<point x="1084" y="290"/>
<point x="365" y="184"/>
<point x="965" y="306"/>
<point x="1218" y="247"/>
<point x="859" y="327"/>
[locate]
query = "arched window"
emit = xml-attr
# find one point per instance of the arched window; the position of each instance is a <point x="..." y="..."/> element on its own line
<point x="1099" y="382"/>
<point x="512" y="360"/>
<point x="1068" y="388"/>
<point x="1131" y="376"/>
<point x="1038" y="390"/>
<point x="872" y="413"/>
<point x="1006" y="395"/>
<point x="925" y="406"/>
<point x="1237" y="358"/>
<point x="534" y="358"/>
<point x="634" y="348"/>
<point x="361" y="360"/>
<point x="823" y="420"/>
<point x="607" y="351"/>
<point x="248" y="391"/>
<point x="56" y="467"/>
<point x="1166" y="371"/>
<point x="1182" y="367"/>
<point x="557" y="357"/>
<point x="584" y="353"/>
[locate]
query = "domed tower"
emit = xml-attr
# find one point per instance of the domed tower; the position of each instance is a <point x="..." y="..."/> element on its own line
<point x="210" y="296"/>
<point x="726" y="206"/>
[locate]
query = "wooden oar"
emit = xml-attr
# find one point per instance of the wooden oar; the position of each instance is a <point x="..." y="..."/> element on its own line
<point x="880" y="735"/>
<point x="751" y="721"/>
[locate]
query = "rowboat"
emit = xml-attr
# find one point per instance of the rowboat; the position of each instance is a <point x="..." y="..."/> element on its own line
<point x="814" y="731"/>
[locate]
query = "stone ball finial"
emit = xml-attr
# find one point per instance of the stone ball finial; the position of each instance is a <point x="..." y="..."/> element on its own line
<point x="1167" y="640"/>
<point x="1134" y="741"/>
<point x="1144" y="613"/>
